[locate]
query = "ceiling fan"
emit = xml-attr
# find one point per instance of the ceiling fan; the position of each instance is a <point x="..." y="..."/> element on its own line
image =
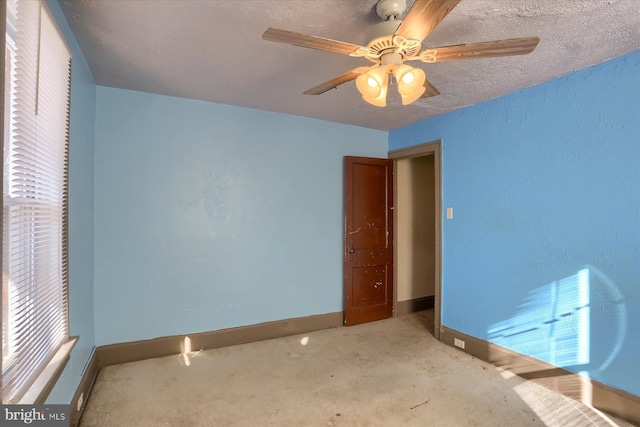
<point x="391" y="43"/>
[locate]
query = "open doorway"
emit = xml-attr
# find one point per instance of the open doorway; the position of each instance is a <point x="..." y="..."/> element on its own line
<point x="418" y="232"/>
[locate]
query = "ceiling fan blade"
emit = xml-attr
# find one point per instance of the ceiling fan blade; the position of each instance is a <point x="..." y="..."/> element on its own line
<point x="430" y="90"/>
<point x="334" y="82"/>
<point x="423" y="17"/>
<point x="304" y="40"/>
<point x="509" y="47"/>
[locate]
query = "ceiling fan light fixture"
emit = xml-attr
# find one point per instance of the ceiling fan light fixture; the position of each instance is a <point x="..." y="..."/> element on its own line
<point x="410" y="83"/>
<point x="390" y="43"/>
<point x="373" y="86"/>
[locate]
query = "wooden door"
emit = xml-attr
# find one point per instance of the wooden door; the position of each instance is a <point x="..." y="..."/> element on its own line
<point x="368" y="240"/>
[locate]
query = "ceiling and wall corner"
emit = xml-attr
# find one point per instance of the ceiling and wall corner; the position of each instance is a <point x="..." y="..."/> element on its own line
<point x="213" y="51"/>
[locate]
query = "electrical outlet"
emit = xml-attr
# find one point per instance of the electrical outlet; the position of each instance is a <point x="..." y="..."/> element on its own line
<point x="449" y="213"/>
<point x="80" y="401"/>
<point x="458" y="343"/>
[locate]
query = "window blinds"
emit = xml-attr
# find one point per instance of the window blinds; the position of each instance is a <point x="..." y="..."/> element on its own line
<point x="34" y="257"/>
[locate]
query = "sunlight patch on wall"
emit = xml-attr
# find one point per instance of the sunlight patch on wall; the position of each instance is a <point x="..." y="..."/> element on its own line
<point x="553" y="323"/>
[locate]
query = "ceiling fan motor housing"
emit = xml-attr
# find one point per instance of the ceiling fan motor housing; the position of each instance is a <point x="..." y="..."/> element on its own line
<point x="380" y="37"/>
<point x="380" y="40"/>
<point x="380" y="31"/>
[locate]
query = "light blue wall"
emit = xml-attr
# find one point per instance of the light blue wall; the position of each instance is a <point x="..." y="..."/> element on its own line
<point x="210" y="216"/>
<point x="81" y="144"/>
<point x="545" y="182"/>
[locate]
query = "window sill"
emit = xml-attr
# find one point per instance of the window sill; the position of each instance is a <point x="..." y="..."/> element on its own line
<point x="40" y="389"/>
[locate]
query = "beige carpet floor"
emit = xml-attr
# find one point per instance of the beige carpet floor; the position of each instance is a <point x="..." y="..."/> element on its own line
<point x="387" y="373"/>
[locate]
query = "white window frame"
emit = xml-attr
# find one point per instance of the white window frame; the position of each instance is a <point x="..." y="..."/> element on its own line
<point x="32" y="365"/>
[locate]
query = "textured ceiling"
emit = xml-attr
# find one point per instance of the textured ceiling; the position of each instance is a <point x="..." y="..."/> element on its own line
<point x="213" y="50"/>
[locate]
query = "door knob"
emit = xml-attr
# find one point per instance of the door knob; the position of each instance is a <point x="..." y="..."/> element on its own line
<point x="352" y="251"/>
